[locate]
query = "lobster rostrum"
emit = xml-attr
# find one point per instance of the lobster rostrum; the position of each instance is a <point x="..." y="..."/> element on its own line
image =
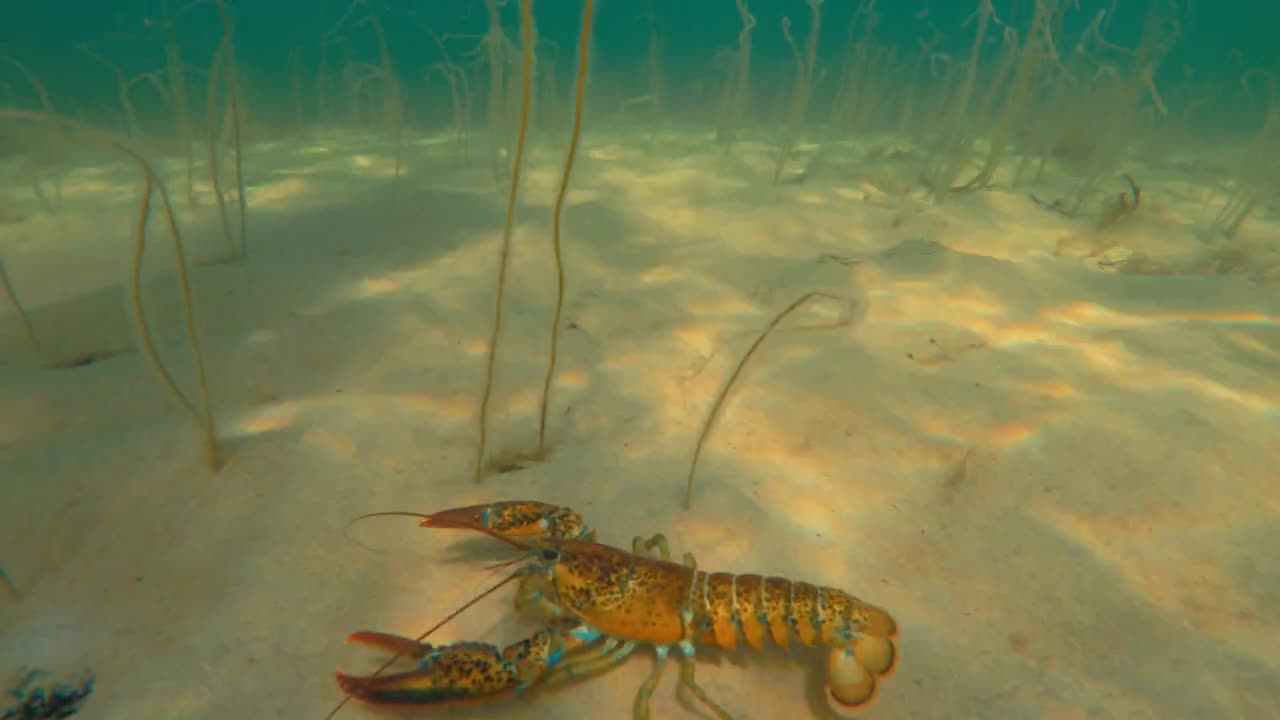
<point x="602" y="603"/>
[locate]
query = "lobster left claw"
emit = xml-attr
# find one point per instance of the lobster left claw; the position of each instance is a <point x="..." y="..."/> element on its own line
<point x="457" y="674"/>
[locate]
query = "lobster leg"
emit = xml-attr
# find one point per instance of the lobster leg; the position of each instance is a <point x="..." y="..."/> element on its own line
<point x="639" y="545"/>
<point x="605" y="657"/>
<point x="640" y="708"/>
<point x="689" y="681"/>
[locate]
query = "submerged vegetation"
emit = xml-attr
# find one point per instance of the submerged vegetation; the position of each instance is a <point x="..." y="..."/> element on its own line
<point x="1045" y="100"/>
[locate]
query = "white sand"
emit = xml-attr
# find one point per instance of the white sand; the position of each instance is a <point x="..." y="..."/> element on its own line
<point x="1059" y="476"/>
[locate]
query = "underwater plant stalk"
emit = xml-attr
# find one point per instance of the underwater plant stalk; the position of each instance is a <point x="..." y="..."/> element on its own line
<point x="804" y="82"/>
<point x="733" y="377"/>
<point x="494" y="44"/>
<point x="51" y="206"/>
<point x="122" y="91"/>
<point x="1025" y="62"/>
<point x="322" y="84"/>
<point x="8" y="584"/>
<point x="459" y="94"/>
<point x="42" y="93"/>
<point x="178" y="90"/>
<point x="953" y="156"/>
<point x="150" y="186"/>
<point x="204" y="416"/>
<point x="392" y="104"/>
<point x="211" y="114"/>
<point x="28" y="332"/>
<point x="295" y="87"/>
<point x="657" y="91"/>
<point x="504" y="254"/>
<point x="232" y="73"/>
<point x="738" y="82"/>
<point x="579" y="89"/>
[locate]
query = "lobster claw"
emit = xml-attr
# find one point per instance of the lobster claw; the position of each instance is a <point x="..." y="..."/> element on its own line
<point x="513" y="521"/>
<point x="456" y="674"/>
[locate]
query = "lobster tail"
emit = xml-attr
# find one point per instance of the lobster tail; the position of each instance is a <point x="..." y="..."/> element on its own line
<point x="849" y="685"/>
<point x="860" y="636"/>
<point x="878" y="654"/>
<point x="854" y="670"/>
<point x="725" y="603"/>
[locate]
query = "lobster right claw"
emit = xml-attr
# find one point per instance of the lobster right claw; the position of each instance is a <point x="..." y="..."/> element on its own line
<point x="465" y="672"/>
<point x="513" y="520"/>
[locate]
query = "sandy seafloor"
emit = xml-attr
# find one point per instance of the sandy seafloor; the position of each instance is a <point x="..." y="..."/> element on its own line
<point x="1051" y="453"/>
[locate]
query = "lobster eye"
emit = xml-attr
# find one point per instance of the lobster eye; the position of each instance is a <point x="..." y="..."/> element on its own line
<point x="550" y="555"/>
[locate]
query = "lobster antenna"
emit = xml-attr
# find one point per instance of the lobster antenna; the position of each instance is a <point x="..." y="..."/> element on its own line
<point x="467" y="605"/>
<point x="383" y="668"/>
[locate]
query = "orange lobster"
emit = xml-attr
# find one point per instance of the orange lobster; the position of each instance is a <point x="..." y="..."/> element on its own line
<point x="603" y="603"/>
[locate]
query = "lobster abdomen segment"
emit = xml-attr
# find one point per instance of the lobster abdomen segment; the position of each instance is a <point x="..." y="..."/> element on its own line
<point x="725" y="604"/>
<point x="860" y="636"/>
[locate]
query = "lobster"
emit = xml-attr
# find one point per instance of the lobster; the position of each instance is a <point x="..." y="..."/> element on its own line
<point x="602" y="603"/>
